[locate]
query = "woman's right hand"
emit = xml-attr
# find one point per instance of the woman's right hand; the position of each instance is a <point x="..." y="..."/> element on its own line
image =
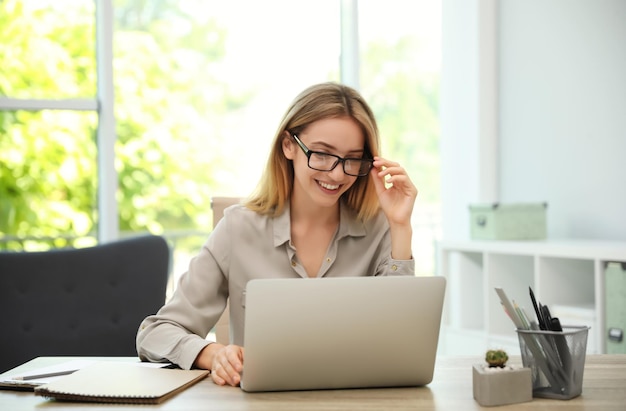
<point x="224" y="361"/>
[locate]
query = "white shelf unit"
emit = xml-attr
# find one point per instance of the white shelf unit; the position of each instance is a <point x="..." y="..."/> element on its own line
<point x="566" y="275"/>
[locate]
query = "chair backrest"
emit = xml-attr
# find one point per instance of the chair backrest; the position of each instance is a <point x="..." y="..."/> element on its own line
<point x="87" y="301"/>
<point x="222" y="328"/>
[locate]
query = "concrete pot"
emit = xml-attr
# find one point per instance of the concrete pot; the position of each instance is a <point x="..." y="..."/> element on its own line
<point x="503" y="386"/>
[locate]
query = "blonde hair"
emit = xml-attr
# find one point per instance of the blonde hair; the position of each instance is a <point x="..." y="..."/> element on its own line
<point x="318" y="102"/>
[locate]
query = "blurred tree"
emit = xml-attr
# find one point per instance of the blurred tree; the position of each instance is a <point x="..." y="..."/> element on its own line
<point x="405" y="99"/>
<point x="47" y="158"/>
<point x="170" y="112"/>
<point x="165" y="88"/>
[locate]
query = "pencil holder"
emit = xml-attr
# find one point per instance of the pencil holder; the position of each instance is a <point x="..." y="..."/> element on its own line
<point x="556" y="360"/>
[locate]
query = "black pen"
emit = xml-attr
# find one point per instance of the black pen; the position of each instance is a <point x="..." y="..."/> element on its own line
<point x="537" y="312"/>
<point x="561" y="345"/>
<point x="555" y="324"/>
<point x="547" y="317"/>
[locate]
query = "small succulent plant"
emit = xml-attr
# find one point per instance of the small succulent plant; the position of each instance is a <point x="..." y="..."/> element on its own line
<point x="496" y="358"/>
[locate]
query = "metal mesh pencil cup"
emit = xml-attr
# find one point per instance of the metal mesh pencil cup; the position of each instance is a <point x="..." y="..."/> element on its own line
<point x="556" y="360"/>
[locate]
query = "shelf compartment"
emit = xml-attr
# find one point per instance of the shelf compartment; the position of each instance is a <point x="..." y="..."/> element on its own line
<point x="514" y="274"/>
<point x="465" y="289"/>
<point x="565" y="281"/>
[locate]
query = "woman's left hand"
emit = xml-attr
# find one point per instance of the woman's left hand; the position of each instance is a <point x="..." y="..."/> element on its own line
<point x="396" y="191"/>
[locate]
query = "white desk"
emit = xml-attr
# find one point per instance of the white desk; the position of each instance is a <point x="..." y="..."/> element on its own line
<point x="603" y="389"/>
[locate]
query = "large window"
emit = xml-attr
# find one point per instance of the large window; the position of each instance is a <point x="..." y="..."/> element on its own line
<point x="199" y="87"/>
<point x="48" y="158"/>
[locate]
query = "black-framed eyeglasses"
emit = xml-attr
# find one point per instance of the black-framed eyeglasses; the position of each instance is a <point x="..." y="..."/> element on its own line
<point x="356" y="167"/>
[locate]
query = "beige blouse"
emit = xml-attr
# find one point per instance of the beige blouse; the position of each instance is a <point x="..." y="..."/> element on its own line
<point x="244" y="246"/>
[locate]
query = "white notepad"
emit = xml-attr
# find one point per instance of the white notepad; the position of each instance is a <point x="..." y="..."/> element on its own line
<point x="121" y="383"/>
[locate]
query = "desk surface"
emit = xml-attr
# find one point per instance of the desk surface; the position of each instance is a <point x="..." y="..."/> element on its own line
<point x="604" y="386"/>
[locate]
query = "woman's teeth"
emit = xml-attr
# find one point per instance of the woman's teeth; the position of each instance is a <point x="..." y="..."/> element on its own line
<point x="328" y="186"/>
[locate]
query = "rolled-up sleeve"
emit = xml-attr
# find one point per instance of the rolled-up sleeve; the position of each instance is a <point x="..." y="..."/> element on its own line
<point x="398" y="267"/>
<point x="176" y="333"/>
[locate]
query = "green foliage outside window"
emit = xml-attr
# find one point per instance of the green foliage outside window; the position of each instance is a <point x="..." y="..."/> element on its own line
<point x="405" y="100"/>
<point x="173" y="108"/>
<point x="47" y="158"/>
<point x="166" y="143"/>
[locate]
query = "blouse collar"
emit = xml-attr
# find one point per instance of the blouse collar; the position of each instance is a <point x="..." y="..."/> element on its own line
<point x="349" y="225"/>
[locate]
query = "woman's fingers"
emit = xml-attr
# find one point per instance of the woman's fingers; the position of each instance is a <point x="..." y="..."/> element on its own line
<point x="394" y="175"/>
<point x="227" y="366"/>
<point x="396" y="192"/>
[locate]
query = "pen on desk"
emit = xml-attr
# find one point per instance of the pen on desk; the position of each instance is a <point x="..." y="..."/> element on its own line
<point x="45" y="375"/>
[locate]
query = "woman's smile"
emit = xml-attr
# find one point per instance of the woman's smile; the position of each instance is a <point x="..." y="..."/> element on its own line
<point x="328" y="187"/>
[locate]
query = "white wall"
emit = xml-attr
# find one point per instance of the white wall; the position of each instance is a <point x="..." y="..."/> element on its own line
<point x="563" y="112"/>
<point x="559" y="116"/>
<point x="468" y="111"/>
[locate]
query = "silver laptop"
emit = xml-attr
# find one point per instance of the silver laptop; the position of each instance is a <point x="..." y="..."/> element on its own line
<point x="349" y="332"/>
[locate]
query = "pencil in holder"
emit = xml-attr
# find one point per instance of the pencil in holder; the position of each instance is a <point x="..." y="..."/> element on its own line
<point x="556" y="360"/>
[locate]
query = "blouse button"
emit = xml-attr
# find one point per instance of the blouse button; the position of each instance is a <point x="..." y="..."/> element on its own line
<point x="328" y="260"/>
<point x="394" y="267"/>
<point x="293" y="263"/>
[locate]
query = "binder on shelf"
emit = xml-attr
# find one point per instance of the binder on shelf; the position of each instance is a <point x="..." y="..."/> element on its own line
<point x="615" y="308"/>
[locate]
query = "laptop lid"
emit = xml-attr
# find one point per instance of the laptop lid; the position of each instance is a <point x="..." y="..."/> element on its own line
<point x="348" y="332"/>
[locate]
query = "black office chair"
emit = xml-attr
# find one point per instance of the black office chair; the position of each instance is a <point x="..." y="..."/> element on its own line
<point x="86" y="301"/>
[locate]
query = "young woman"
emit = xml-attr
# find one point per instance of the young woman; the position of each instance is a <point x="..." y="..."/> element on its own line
<point x="327" y="205"/>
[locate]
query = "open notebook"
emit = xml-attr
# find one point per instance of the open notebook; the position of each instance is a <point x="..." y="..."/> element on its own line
<point x="349" y="332"/>
<point x="121" y="383"/>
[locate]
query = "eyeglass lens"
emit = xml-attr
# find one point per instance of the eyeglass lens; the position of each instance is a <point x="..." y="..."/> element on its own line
<point x="351" y="166"/>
